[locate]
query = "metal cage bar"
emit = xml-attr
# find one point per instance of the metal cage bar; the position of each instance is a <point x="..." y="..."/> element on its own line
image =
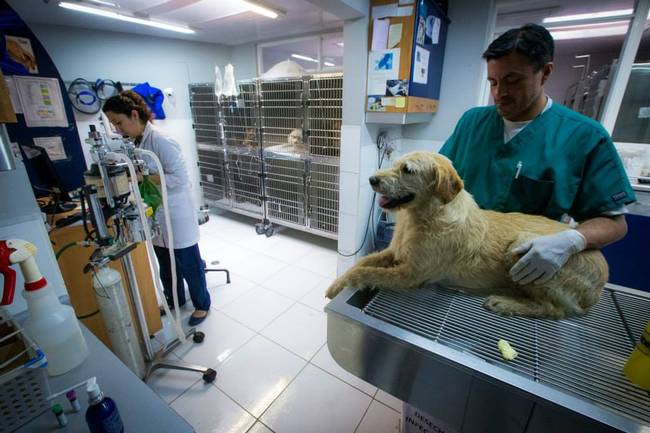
<point x="240" y="117"/>
<point x="286" y="195"/>
<point x="323" y="181"/>
<point x="282" y="113"/>
<point x="325" y="114"/>
<point x="244" y="169"/>
<point x="205" y="113"/>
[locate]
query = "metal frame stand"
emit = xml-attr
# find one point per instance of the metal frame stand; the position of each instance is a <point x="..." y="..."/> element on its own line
<point x="156" y="360"/>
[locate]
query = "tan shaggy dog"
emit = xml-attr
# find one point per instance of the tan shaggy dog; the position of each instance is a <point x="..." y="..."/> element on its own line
<point x="443" y="236"/>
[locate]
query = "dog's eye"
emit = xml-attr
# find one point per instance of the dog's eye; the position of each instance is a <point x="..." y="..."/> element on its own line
<point x="406" y="169"/>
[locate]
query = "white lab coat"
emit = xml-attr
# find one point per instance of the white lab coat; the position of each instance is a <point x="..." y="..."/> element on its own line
<point x="185" y="226"/>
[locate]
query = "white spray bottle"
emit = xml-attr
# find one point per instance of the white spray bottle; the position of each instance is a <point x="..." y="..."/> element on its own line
<point x="51" y="324"/>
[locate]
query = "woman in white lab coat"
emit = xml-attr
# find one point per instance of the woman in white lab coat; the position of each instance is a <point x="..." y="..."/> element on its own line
<point x="129" y="113"/>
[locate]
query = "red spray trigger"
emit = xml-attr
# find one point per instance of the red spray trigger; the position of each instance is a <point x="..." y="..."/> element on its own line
<point x="9" y="274"/>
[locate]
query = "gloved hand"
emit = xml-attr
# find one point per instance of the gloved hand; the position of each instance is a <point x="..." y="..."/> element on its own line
<point x="545" y="255"/>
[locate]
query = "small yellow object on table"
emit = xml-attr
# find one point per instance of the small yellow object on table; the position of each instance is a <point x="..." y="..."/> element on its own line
<point x="507" y="352"/>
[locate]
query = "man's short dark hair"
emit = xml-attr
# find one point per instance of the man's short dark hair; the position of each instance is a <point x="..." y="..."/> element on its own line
<point x="531" y="40"/>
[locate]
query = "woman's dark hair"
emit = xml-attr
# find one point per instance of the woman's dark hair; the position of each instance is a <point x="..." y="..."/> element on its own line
<point x="125" y="103"/>
<point x="531" y="40"/>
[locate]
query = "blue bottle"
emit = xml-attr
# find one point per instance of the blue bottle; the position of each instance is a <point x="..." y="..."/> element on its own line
<point x="102" y="415"/>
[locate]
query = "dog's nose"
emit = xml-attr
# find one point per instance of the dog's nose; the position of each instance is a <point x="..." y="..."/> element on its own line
<point x="374" y="180"/>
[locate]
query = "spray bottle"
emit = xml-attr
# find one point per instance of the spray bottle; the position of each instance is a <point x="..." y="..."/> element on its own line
<point x="102" y="415"/>
<point x="637" y="368"/>
<point x="51" y="324"/>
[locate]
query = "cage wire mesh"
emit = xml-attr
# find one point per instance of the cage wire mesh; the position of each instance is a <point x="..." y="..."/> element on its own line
<point x="324" y="195"/>
<point x="325" y="114"/>
<point x="284" y="183"/>
<point x="244" y="169"/>
<point x="205" y="113"/>
<point x="282" y="114"/>
<point x="280" y="147"/>
<point x="213" y="175"/>
<point x="239" y="117"/>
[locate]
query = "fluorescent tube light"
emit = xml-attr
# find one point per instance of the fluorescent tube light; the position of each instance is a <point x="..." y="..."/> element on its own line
<point x="593" y="15"/>
<point x="329" y="64"/>
<point x="593" y="32"/>
<point x="105" y="3"/>
<point x="340" y="44"/>
<point x="123" y="17"/>
<point x="254" y="7"/>
<point x="309" y="59"/>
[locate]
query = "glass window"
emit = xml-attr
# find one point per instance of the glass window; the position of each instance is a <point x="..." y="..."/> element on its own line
<point x="332" y="52"/>
<point x="314" y="54"/>
<point x="633" y="120"/>
<point x="303" y="51"/>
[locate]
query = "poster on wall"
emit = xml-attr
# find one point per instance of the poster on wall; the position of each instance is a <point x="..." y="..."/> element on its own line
<point x="432" y="32"/>
<point x="41" y="101"/>
<point x="20" y="51"/>
<point x="383" y="65"/>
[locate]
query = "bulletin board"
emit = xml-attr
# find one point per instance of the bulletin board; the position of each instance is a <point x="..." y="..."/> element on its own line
<point x="406" y="42"/>
<point x="25" y="63"/>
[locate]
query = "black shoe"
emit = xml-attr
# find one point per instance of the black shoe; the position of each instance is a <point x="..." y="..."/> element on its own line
<point x="194" y="320"/>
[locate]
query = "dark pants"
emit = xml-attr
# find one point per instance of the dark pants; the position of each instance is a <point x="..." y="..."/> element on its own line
<point x="189" y="267"/>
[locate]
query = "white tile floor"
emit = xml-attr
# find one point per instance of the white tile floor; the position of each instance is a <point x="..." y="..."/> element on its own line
<point x="266" y="337"/>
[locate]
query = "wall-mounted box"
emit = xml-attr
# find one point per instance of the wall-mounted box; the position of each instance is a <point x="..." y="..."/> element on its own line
<point x="407" y="46"/>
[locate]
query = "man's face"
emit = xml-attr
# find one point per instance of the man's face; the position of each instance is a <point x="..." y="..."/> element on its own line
<point x="516" y="85"/>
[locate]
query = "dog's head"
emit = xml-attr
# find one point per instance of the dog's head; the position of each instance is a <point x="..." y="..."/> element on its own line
<point x="295" y="136"/>
<point x="417" y="178"/>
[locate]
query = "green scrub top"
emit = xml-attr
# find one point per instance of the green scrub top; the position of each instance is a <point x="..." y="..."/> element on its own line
<point x="561" y="163"/>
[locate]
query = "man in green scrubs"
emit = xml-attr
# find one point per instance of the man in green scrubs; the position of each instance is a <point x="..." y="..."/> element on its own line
<point x="530" y="154"/>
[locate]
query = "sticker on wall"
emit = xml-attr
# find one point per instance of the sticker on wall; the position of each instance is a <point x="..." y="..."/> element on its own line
<point x="421" y="66"/>
<point x="397" y="88"/>
<point x="432" y="32"/>
<point x="383" y="65"/>
<point x="20" y="51"/>
<point x="374" y="103"/>
<point x="421" y="29"/>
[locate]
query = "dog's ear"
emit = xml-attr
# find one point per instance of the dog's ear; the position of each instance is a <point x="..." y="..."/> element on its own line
<point x="448" y="184"/>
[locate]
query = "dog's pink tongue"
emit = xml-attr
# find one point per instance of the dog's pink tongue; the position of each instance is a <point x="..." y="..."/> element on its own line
<point x="383" y="201"/>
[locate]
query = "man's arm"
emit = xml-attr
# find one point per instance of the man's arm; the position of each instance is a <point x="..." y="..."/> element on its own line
<point x="602" y="230"/>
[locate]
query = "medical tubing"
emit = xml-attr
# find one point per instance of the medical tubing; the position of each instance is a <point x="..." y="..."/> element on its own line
<point x="157" y="282"/>
<point x="170" y="234"/>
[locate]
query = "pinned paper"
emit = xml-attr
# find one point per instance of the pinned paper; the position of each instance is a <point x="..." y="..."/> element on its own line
<point x="394" y="35"/>
<point x="388" y="102"/>
<point x="42" y="102"/>
<point x="400" y="102"/>
<point x="405" y="11"/>
<point x="53" y="146"/>
<point x="385" y="11"/>
<point x="421" y="65"/>
<point x="432" y="30"/>
<point x="383" y="65"/>
<point x="13" y="95"/>
<point x="419" y="38"/>
<point x="380" y="34"/>
<point x="644" y="112"/>
<point x="405" y="2"/>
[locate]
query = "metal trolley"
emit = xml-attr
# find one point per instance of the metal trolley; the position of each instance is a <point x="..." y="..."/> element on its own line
<point x="276" y="152"/>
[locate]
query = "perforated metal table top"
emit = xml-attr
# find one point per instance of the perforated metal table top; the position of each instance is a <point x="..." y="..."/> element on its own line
<point x="583" y="356"/>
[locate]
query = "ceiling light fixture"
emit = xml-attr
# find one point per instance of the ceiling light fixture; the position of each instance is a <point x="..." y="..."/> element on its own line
<point x="258" y="9"/>
<point x="589" y="32"/>
<point x="105" y="3"/>
<point x="301" y="57"/>
<point x="340" y="44"/>
<point x="329" y="64"/>
<point x="589" y="16"/>
<point x="122" y="17"/>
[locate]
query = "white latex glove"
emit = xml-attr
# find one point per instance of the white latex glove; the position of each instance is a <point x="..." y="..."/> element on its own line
<point x="545" y="255"/>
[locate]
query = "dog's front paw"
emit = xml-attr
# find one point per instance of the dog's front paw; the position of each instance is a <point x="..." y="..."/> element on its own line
<point x="501" y="305"/>
<point x="336" y="287"/>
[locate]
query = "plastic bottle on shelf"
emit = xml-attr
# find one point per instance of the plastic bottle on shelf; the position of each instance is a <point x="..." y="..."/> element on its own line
<point x="102" y="415"/>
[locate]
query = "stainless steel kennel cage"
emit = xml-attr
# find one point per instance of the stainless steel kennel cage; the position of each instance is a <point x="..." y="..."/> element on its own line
<point x="275" y="150"/>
